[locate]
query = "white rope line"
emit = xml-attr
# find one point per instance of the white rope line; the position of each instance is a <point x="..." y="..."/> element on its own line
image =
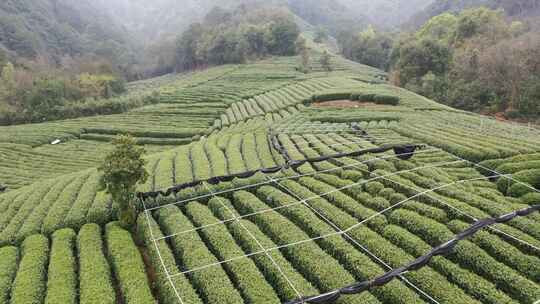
<point x="302" y="201"/>
<point x="508" y="176"/>
<point x="325" y="235"/>
<point x="167" y="274"/>
<point x="296" y="176"/>
<point x="237" y="219"/>
<point x="336" y="227"/>
<point x="497" y="174"/>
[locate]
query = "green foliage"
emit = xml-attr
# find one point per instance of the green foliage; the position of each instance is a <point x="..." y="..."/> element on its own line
<point x="9" y="257"/>
<point x="62" y="277"/>
<point x="122" y="170"/>
<point x="233" y="37"/>
<point x="326" y="61"/>
<point x="95" y="285"/>
<point x="474" y="60"/>
<point x="29" y="284"/>
<point x="127" y="265"/>
<point x="321" y="35"/>
<point x="193" y="252"/>
<point x="369" y="47"/>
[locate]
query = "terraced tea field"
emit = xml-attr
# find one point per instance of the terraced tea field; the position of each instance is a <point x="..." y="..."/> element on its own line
<point x="257" y="196"/>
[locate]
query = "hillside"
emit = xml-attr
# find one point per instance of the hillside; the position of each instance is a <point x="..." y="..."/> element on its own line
<point x="60" y="28"/>
<point x="268" y="185"/>
<point x="518" y="9"/>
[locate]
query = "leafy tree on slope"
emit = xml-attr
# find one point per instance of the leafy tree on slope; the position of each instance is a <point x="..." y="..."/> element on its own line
<point x="122" y="170"/>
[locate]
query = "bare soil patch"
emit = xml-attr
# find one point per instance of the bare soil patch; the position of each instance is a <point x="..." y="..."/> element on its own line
<point x="343" y="104"/>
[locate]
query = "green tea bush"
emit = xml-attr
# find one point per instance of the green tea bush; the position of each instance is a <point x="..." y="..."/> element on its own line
<point x="159" y="251"/>
<point x="234" y="156"/>
<point x="531" y="198"/>
<point x="58" y="211"/>
<point x="127" y="265"/>
<point x="9" y="257"/>
<point x="315" y="264"/>
<point x="62" y="276"/>
<point x="469" y="255"/>
<point x="526" y="264"/>
<point x="470" y="282"/>
<point x="192" y="251"/>
<point x="243" y="272"/>
<point x="251" y="241"/>
<point x="95" y="285"/>
<point x="29" y="284"/>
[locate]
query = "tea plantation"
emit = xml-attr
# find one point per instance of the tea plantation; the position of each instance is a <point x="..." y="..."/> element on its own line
<point x="233" y="212"/>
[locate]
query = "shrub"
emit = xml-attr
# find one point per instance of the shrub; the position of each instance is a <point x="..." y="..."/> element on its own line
<point x="62" y="277"/>
<point x="386" y="100"/>
<point x="373" y="188"/>
<point x="468" y="255"/>
<point x="29" y="284"/>
<point x="473" y="284"/>
<point x="191" y="250"/>
<point x="57" y="213"/>
<point x="243" y="272"/>
<point x="9" y="257"/>
<point x="95" y="286"/>
<point x="250" y="243"/>
<point x="314" y="263"/>
<point x="159" y="252"/>
<point x="526" y="264"/>
<point x="531" y="198"/>
<point x="127" y="265"/>
<point x="76" y="216"/>
<point x="331" y="95"/>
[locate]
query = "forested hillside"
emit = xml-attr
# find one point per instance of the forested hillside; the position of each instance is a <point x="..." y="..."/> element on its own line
<point x="55" y="30"/>
<point x="514" y="8"/>
<point x="269" y="168"/>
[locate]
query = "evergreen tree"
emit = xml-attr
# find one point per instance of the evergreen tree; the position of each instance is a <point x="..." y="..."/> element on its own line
<point x="122" y="170"/>
<point x="326" y="62"/>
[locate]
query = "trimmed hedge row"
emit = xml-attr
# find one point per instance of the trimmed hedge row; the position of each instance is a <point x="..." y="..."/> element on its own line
<point x="199" y="161"/>
<point x="273" y="275"/>
<point x="528" y="265"/>
<point x="264" y="150"/>
<point x="159" y="252"/>
<point x="95" y="286"/>
<point x="8" y="234"/>
<point x="127" y="265"/>
<point x="437" y="286"/>
<point x="249" y="152"/>
<point x="435" y="199"/>
<point x="352" y="258"/>
<point x="192" y="251"/>
<point x="356" y="96"/>
<point x="29" y="284"/>
<point x="183" y="168"/>
<point x="32" y="224"/>
<point x="469" y="255"/>
<point x="217" y="159"/>
<point x="337" y="198"/>
<point x="243" y="272"/>
<point x="57" y="213"/>
<point x="9" y="257"/>
<point x="233" y="153"/>
<point x="62" y="276"/>
<point x="473" y="284"/>
<point x="76" y="216"/>
<point x="316" y="265"/>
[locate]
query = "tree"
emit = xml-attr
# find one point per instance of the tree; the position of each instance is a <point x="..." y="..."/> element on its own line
<point x="281" y="37"/>
<point x="122" y="170"/>
<point x="303" y="50"/>
<point x="320" y="35"/>
<point x="8" y="78"/>
<point x="326" y="61"/>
